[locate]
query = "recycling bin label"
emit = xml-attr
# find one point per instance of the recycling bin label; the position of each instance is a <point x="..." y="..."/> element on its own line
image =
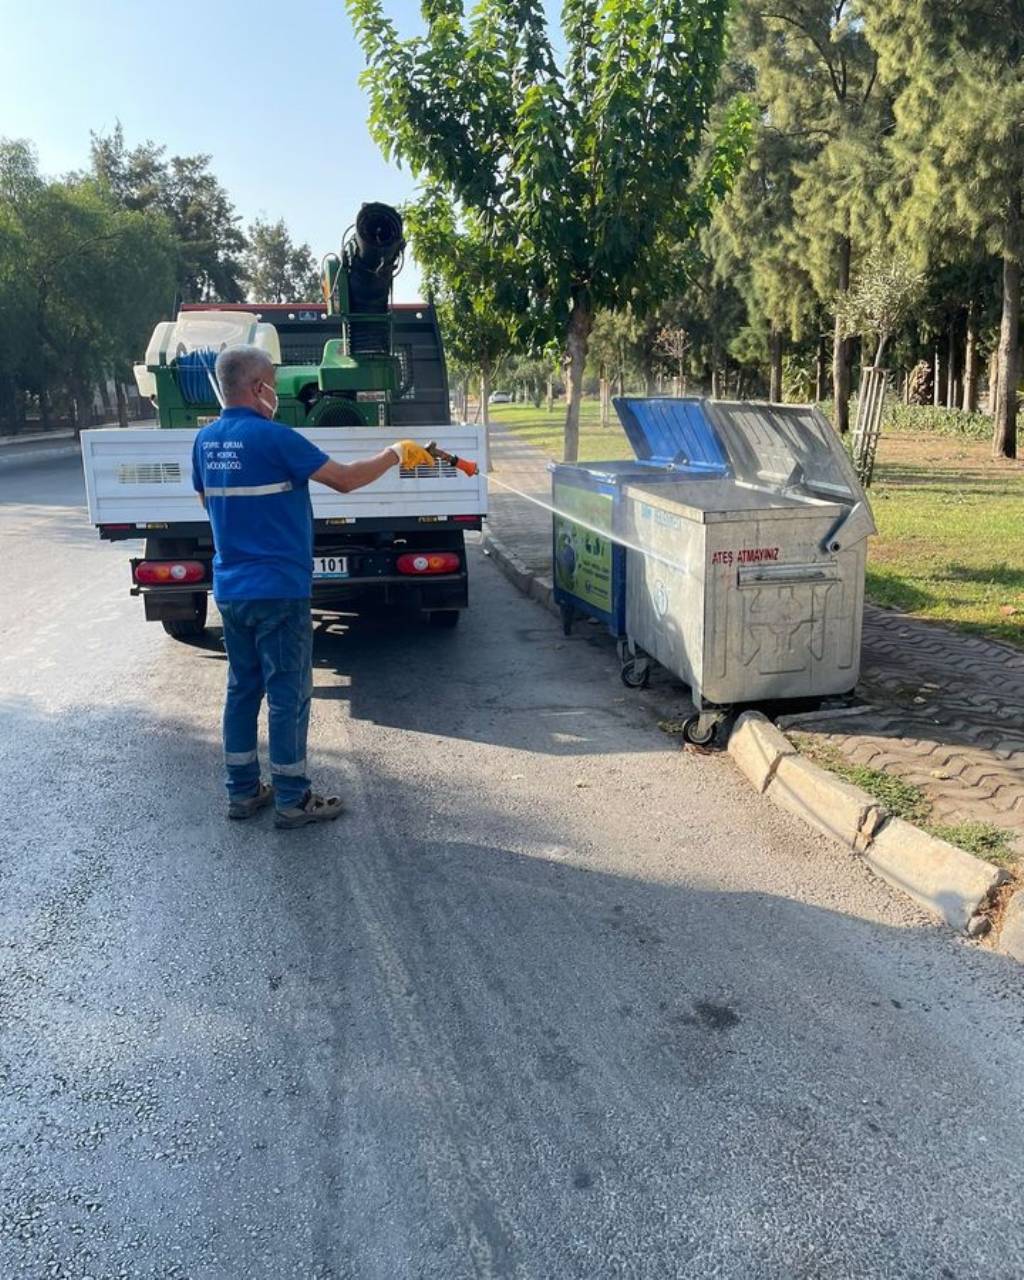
<point x="583" y="557"/>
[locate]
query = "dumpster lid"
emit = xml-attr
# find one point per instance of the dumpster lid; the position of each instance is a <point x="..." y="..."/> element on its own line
<point x="667" y="431"/>
<point x="786" y="447"/>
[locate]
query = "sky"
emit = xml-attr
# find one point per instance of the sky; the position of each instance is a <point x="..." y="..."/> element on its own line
<point x="268" y="88"/>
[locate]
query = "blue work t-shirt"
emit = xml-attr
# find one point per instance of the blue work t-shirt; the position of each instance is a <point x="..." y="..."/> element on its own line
<point x="254" y="474"/>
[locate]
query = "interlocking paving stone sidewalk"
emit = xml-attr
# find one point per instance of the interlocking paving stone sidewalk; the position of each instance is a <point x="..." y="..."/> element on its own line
<point x="948" y="716"/>
<point x="523" y="526"/>
<point x="945" y="709"/>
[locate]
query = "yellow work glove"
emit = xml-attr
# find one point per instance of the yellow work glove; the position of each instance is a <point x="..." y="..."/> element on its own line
<point x="410" y="455"/>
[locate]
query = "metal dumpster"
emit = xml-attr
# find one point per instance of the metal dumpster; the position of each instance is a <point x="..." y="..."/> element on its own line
<point x="670" y="439"/>
<point x="750" y="588"/>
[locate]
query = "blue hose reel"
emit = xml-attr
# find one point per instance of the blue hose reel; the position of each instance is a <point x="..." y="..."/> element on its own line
<point x="196" y="380"/>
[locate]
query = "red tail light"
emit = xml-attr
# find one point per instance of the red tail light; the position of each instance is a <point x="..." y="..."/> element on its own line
<point x="169" y="573"/>
<point x="420" y="562"/>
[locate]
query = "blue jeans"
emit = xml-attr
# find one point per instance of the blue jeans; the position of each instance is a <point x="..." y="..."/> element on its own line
<point x="269" y="645"/>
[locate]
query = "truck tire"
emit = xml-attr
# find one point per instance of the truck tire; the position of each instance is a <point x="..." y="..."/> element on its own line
<point x="444" y="619"/>
<point x="189" y="628"/>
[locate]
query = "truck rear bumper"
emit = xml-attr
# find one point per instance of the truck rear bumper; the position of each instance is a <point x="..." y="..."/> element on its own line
<point x="448" y="591"/>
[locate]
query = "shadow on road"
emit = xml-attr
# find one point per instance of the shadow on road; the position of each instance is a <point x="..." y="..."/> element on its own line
<point x="530" y="694"/>
<point x="445" y="1030"/>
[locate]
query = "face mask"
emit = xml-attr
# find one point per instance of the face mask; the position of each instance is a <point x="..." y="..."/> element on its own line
<point x="270" y="408"/>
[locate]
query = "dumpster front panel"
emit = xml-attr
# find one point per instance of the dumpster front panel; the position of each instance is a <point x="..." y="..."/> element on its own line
<point x="782" y="618"/>
<point x="736" y="596"/>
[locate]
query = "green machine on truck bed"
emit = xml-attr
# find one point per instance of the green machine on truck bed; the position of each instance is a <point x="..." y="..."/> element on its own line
<point x="350" y="369"/>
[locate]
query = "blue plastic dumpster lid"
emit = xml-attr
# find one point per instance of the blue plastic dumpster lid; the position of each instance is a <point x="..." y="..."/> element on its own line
<point x="671" y="431"/>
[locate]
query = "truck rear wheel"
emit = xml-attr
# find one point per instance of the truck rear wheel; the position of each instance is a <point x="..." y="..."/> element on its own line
<point x="189" y="628"/>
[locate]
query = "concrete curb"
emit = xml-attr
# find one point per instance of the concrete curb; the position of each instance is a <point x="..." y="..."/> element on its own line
<point x="946" y="881"/>
<point x="952" y="885"/>
<point x="34" y="438"/>
<point x="537" y="586"/>
<point x="10" y="458"/>
<point x="1011" y="936"/>
<point x="758" y="748"/>
<point x="837" y="808"/>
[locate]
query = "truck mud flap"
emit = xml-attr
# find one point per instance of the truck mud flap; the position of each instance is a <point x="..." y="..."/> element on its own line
<point x="172" y="606"/>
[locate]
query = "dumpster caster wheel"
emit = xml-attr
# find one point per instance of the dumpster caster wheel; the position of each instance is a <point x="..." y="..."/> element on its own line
<point x="699" y="735"/>
<point x="636" y="673"/>
<point x="568" y="618"/>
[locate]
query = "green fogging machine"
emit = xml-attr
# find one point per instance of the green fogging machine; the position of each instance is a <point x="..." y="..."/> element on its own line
<point x="337" y="363"/>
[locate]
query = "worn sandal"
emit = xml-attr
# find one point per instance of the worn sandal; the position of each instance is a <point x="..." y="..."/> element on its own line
<point x="313" y="808"/>
<point x="247" y="806"/>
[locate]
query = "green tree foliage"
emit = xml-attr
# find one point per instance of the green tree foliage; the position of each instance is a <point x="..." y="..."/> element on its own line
<point x="879" y="302"/>
<point x="82" y="282"/>
<point x="959" y="145"/>
<point x="753" y="241"/>
<point x="188" y="194"/>
<point x="613" y="346"/>
<point x="824" y="104"/>
<point x="475" y="283"/>
<point x="275" y="268"/>
<point x="582" y="167"/>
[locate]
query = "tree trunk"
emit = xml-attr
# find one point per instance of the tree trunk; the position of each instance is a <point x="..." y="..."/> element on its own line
<point x="841" y="350"/>
<point x="716" y="371"/>
<point x="605" y="397"/>
<point x="775" y="379"/>
<point x="81" y="405"/>
<point x="620" y="384"/>
<point x="105" y="399"/>
<point x="122" y="403"/>
<point x="993" y="381"/>
<point x="581" y="320"/>
<point x="551" y="394"/>
<point x="970" y="400"/>
<point x="937" y="380"/>
<point x="485" y="395"/>
<point x="820" y="366"/>
<point x="1004" y="435"/>
<point x="951" y="369"/>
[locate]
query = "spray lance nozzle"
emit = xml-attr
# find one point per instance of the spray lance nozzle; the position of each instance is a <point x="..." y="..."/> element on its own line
<point x="461" y="464"/>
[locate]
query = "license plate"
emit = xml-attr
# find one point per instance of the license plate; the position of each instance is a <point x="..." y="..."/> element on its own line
<point x="330" y="566"/>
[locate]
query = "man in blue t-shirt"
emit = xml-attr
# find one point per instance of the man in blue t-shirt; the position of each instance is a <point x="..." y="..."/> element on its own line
<point x="252" y="475"/>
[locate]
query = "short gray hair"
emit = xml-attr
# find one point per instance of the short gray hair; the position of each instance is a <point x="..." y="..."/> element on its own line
<point x="237" y="367"/>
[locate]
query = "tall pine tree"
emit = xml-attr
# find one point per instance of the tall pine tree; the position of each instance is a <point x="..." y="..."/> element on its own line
<point x="960" y="137"/>
<point x="818" y="86"/>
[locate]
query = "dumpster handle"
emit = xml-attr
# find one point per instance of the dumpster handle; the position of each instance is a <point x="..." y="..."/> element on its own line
<point x="786" y="574"/>
<point x="854" y="525"/>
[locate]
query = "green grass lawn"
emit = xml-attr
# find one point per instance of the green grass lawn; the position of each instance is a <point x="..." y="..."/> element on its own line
<point x="597" y="443"/>
<point x="950" y="521"/>
<point x="951" y="535"/>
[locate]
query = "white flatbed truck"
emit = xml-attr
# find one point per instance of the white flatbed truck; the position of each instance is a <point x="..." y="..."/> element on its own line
<point x="397" y="542"/>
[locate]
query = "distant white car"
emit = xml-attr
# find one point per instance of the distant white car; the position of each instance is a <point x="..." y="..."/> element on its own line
<point x="500" y="397"/>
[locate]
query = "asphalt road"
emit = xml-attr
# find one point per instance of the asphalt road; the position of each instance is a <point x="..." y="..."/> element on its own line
<point x="555" y="1000"/>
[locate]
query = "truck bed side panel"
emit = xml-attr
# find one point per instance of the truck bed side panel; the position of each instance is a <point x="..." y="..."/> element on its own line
<point x="141" y="476"/>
